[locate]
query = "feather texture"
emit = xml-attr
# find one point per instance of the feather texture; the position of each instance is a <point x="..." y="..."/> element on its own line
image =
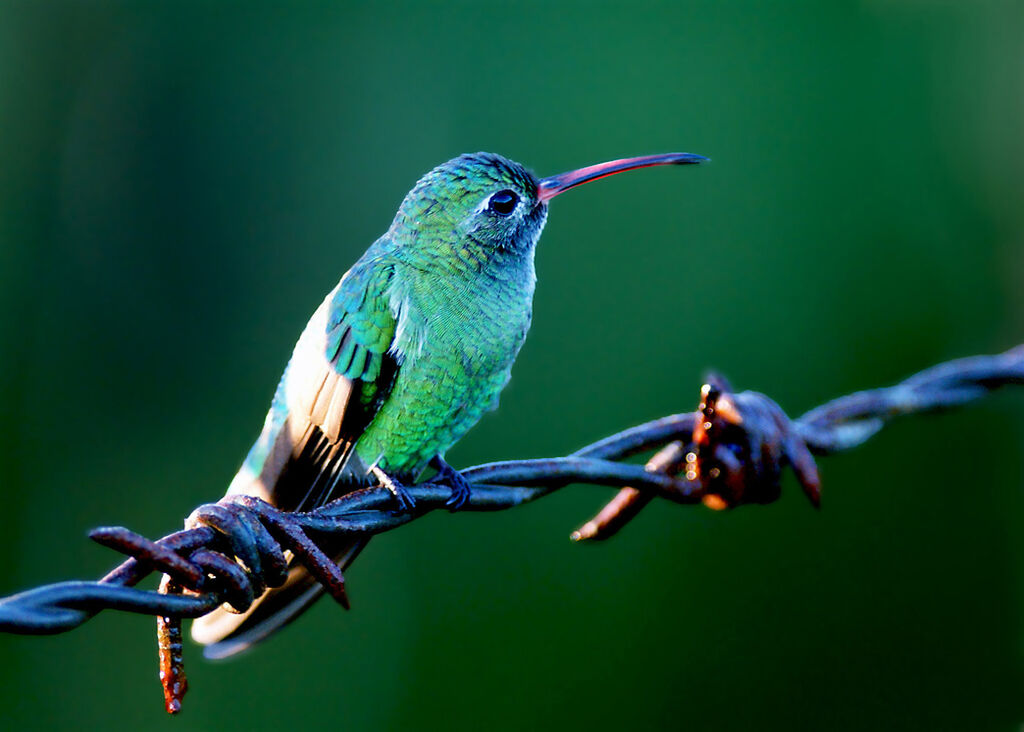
<point x="329" y="393"/>
<point x="400" y="360"/>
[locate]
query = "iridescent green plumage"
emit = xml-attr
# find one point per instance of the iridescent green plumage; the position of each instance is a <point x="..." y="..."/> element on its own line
<point x="461" y="293"/>
<point x="404" y="356"/>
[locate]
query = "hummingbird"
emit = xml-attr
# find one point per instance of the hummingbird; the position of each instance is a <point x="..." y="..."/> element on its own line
<point x="402" y="358"/>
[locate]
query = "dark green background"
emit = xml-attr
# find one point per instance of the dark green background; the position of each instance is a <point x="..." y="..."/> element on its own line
<point x="180" y="185"/>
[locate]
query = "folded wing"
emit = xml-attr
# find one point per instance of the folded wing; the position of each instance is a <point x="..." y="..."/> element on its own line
<point x="339" y="375"/>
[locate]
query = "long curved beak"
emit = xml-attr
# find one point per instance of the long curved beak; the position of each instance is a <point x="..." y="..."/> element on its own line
<point x="548" y="188"/>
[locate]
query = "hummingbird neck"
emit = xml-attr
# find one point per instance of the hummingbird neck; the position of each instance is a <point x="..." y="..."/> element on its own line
<point x="438" y="303"/>
<point x="445" y="250"/>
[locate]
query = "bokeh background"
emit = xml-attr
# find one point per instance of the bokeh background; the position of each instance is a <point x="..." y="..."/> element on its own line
<point x="181" y="183"/>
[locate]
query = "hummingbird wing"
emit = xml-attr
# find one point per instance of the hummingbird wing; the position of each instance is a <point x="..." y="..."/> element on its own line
<point x="339" y="375"/>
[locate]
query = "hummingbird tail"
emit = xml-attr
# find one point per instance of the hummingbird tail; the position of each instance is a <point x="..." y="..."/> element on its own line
<point x="225" y="634"/>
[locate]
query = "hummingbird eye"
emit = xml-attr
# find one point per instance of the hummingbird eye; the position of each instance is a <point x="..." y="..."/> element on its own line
<point x="503" y="203"/>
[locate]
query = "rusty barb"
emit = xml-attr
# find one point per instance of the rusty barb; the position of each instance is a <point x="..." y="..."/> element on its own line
<point x="732" y="451"/>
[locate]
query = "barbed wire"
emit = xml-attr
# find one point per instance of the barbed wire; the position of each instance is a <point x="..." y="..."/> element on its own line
<point x="731" y="451"/>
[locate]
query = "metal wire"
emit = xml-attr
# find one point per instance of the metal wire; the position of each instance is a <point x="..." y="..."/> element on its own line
<point x="732" y="451"/>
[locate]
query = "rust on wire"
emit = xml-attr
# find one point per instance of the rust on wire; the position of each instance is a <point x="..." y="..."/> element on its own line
<point x="629" y="501"/>
<point x="169" y="650"/>
<point x="732" y="451"/>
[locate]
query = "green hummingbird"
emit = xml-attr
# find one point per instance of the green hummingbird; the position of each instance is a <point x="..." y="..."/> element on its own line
<point x="403" y="356"/>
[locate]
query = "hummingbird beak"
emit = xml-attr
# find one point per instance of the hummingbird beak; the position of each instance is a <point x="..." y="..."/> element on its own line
<point x="548" y="188"/>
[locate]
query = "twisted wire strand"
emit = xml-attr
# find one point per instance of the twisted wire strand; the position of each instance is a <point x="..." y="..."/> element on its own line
<point x="731" y="451"/>
<point x="835" y="426"/>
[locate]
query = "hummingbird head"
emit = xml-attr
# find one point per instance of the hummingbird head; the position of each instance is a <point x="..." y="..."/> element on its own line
<point x="481" y="203"/>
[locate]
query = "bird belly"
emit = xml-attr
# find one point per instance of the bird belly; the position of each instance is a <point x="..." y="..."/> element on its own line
<point x="435" y="400"/>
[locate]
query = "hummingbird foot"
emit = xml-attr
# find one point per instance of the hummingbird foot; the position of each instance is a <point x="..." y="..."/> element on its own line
<point x="405" y="500"/>
<point x="447" y="475"/>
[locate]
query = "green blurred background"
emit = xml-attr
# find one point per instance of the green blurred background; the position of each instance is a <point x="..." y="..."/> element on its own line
<point x="181" y="183"/>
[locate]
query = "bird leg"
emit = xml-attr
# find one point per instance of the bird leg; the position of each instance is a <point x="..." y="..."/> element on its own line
<point x="449" y="476"/>
<point x="405" y="501"/>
